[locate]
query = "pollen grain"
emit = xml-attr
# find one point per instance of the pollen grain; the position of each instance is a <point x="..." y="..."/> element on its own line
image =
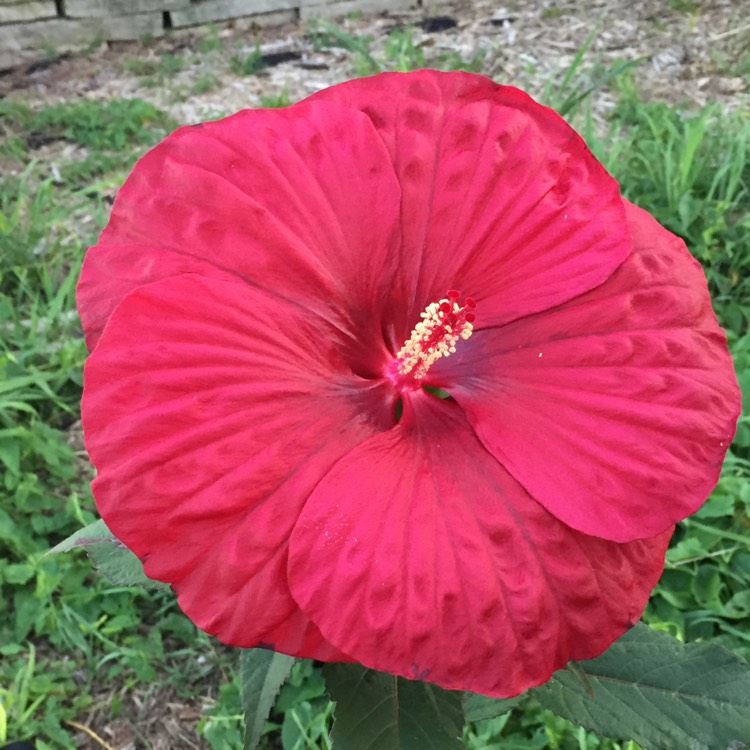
<point x="442" y="324"/>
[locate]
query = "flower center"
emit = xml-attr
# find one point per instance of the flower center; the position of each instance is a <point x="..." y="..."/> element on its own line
<point x="442" y="324"/>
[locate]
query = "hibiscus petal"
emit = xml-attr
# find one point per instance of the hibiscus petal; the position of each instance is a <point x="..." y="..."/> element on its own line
<point x="211" y="409"/>
<point x="300" y="201"/>
<point x="615" y="410"/>
<point x="500" y="197"/>
<point x="418" y="554"/>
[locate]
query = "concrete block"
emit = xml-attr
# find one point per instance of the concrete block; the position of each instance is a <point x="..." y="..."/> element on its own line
<point x="112" y="8"/>
<point x="322" y="9"/>
<point x="131" y="27"/>
<point x="223" y="10"/>
<point x="29" y="11"/>
<point x="20" y="43"/>
<point x="276" y="18"/>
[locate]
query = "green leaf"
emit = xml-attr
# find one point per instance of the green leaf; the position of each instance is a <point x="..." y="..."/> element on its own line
<point x="481" y="707"/>
<point x="10" y="452"/>
<point x="305" y="684"/>
<point x="91" y="534"/>
<point x="110" y="557"/>
<point x="651" y="688"/>
<point x="118" y="564"/>
<point x="262" y="673"/>
<point x="718" y="505"/>
<point x="707" y="587"/>
<point x="378" y="711"/>
<point x="8" y="528"/>
<point x="18" y="573"/>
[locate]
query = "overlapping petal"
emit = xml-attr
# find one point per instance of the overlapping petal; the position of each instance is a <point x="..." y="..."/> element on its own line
<point x="440" y="566"/>
<point x="614" y="410"/>
<point x="499" y="195"/>
<point x="254" y="284"/>
<point x="212" y="410"/>
<point x="301" y="202"/>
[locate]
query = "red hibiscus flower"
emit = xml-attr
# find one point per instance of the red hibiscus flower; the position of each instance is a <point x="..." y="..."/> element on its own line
<point x="395" y="375"/>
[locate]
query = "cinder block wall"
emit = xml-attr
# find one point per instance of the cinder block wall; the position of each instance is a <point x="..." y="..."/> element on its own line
<point x="33" y="29"/>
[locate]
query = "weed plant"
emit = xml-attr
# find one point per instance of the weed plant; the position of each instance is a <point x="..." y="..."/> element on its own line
<point x="211" y="41"/>
<point x="67" y="638"/>
<point x="155" y="71"/>
<point x="204" y="83"/>
<point x="400" y="51"/>
<point x="278" y="99"/>
<point x="247" y="64"/>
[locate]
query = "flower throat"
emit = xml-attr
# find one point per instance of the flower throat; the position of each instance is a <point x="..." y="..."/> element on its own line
<point x="442" y="324"/>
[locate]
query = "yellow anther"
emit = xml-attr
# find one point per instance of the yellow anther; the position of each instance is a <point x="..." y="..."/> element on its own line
<point x="442" y="324"/>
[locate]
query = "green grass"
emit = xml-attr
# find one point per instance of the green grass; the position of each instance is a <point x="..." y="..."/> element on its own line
<point x="683" y="6"/>
<point x="278" y="99"/>
<point x="68" y="636"/>
<point x="64" y="633"/>
<point x="211" y="41"/>
<point x="246" y="64"/>
<point x="401" y="52"/>
<point x="109" y="135"/>
<point x="155" y="69"/>
<point x="204" y="83"/>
